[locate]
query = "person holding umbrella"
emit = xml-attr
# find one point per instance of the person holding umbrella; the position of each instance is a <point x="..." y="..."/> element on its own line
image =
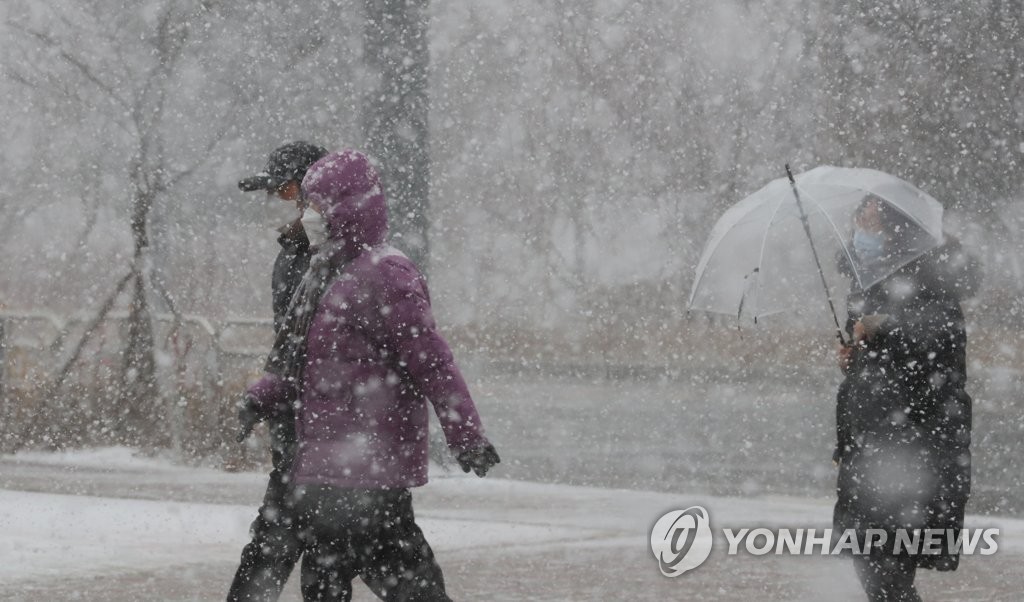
<point x="903" y="416"/>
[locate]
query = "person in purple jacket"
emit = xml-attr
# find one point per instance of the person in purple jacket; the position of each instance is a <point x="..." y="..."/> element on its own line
<point x="363" y="356"/>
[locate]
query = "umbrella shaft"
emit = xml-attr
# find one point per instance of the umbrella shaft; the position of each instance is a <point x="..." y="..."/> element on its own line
<point x="814" y="253"/>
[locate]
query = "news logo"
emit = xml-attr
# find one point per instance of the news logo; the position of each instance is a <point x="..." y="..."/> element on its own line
<point x="681" y="540"/>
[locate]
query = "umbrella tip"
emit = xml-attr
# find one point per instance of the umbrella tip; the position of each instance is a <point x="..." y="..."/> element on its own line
<point x="789" y="173"/>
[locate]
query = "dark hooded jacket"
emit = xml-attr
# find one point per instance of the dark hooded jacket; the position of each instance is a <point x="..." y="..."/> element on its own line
<point x="903" y="416"/>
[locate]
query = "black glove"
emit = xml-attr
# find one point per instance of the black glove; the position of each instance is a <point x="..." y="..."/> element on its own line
<point x="247" y="418"/>
<point x="479" y="460"/>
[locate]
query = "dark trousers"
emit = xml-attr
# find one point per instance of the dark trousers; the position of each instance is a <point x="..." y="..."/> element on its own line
<point x="367" y="532"/>
<point x="268" y="559"/>
<point x="887" y="578"/>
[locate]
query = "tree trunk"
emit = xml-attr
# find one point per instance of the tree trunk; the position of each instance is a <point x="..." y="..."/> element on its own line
<point x="395" y="116"/>
<point x="138" y="408"/>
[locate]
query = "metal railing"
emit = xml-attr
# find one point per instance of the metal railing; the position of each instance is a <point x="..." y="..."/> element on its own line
<point x="201" y="368"/>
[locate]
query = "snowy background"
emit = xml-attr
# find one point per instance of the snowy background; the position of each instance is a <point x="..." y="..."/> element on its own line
<point x="579" y="153"/>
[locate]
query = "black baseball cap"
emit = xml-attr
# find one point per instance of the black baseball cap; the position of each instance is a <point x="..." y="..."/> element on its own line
<point x="286" y="163"/>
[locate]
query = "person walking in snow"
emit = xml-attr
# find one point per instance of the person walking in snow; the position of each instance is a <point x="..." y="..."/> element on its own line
<point x="903" y="416"/>
<point x="362" y="354"/>
<point x="268" y="559"/>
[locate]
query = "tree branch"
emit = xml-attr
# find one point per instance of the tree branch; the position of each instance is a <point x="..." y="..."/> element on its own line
<point x="101" y="315"/>
<point x="210" y="146"/>
<point x="80" y="65"/>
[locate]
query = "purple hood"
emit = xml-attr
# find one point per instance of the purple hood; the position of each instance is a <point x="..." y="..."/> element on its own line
<point x="345" y="188"/>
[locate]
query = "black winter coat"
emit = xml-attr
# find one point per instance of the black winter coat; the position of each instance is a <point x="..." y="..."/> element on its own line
<point x="903" y="416"/>
<point x="289" y="267"/>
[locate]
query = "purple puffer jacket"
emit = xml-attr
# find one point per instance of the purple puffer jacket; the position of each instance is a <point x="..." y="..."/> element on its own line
<point x="374" y="356"/>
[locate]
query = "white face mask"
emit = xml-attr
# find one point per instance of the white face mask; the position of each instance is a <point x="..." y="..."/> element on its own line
<point x="315" y="226"/>
<point x="279" y="213"/>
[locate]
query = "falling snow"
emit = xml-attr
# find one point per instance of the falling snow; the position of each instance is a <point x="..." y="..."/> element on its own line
<point x="556" y="171"/>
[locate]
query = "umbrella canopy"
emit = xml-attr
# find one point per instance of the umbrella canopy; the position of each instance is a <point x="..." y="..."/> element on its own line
<point x="759" y="258"/>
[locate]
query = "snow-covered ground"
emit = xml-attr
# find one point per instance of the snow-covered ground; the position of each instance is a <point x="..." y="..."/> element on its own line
<point x="495" y="538"/>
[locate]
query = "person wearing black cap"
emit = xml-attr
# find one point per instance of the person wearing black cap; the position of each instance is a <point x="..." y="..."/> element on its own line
<point x="268" y="559"/>
<point x="282" y="178"/>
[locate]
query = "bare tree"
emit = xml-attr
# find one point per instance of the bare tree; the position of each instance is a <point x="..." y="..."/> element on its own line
<point x="135" y="76"/>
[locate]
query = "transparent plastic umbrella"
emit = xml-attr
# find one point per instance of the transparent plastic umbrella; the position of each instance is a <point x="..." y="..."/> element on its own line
<point x="773" y="251"/>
